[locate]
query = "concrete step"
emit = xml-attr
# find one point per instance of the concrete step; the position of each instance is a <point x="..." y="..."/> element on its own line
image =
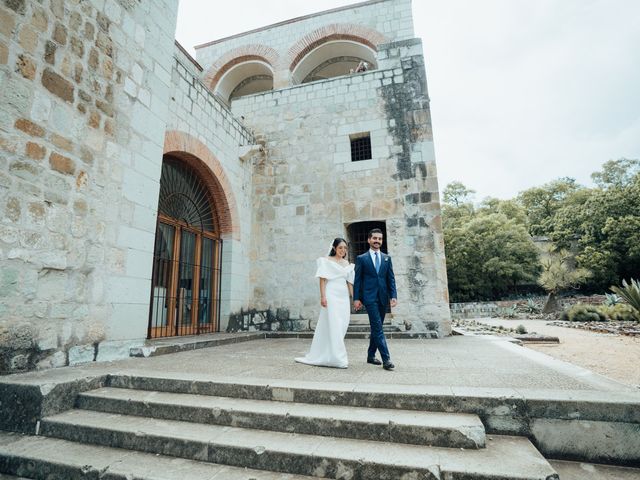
<point x="359" y="335"/>
<point x="504" y="457"/>
<point x="55" y="459"/>
<point x="378" y="424"/>
<point x="367" y="328"/>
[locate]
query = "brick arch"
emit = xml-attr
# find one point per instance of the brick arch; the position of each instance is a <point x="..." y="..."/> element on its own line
<point x="335" y="31"/>
<point x="196" y="154"/>
<point x="236" y="56"/>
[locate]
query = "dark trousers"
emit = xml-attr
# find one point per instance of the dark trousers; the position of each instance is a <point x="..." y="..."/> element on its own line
<point x="378" y="342"/>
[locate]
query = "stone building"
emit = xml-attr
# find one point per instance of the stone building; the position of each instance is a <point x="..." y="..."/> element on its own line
<point x="144" y="193"/>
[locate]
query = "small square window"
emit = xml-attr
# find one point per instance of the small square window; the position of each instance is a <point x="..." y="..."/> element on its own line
<point x="360" y="146"/>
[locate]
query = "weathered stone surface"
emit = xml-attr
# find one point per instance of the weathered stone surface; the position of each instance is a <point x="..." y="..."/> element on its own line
<point x="58" y="85"/>
<point x="61" y="142"/>
<point x="418" y="428"/>
<point x="77" y="47"/>
<point x="60" y="34"/>
<point x="4" y="54"/>
<point x="7" y="22"/>
<point x="13" y="209"/>
<point x="39" y="19"/>
<point x="82" y="354"/>
<point x="35" y="151"/>
<point x="18" y="6"/>
<point x="50" y="52"/>
<point x="26" y="67"/>
<point x="62" y="164"/>
<point x="28" y="38"/>
<point x="25" y="170"/>
<point x="29" y="127"/>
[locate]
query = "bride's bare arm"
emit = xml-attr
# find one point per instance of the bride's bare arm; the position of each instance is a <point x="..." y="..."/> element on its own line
<point x="323" y="296"/>
<point x="350" y="287"/>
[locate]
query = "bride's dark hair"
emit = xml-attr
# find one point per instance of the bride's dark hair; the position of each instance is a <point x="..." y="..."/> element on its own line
<point x="336" y="242"/>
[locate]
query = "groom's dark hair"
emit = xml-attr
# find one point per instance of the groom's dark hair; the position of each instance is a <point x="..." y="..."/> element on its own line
<point x="374" y="230"/>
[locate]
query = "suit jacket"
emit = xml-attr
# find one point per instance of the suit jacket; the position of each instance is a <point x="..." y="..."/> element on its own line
<point x="369" y="286"/>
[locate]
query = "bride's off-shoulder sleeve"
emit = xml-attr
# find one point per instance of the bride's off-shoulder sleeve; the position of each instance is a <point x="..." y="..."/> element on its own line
<point x="352" y="274"/>
<point x="321" y="268"/>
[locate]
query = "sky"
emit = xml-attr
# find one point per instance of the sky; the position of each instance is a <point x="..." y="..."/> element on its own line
<point x="522" y="91"/>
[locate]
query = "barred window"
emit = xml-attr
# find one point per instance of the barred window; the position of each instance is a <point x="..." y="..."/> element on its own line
<point x="360" y="146"/>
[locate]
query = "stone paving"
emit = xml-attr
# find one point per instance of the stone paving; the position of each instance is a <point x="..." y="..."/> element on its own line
<point x="454" y="361"/>
<point x="485" y="365"/>
<point x="458" y="361"/>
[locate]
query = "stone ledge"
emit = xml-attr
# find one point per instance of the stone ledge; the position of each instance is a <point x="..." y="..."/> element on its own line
<point x="164" y="346"/>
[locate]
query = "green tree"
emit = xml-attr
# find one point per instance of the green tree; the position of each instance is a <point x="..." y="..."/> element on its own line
<point x="542" y="203"/>
<point x="510" y="208"/>
<point x="604" y="227"/>
<point x="456" y="194"/>
<point x="488" y="255"/>
<point x="616" y="173"/>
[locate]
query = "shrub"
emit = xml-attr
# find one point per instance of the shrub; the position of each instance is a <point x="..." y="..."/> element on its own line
<point x="585" y="313"/>
<point x="621" y="312"/>
<point x="508" y="312"/>
<point x="521" y="329"/>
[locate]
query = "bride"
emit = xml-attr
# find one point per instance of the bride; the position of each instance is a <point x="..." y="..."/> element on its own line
<point x="336" y="285"/>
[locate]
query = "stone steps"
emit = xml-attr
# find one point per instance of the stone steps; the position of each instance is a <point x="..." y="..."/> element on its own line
<point x="362" y="335"/>
<point x="55" y="459"/>
<point x="367" y="328"/>
<point x="301" y="454"/>
<point x="398" y="426"/>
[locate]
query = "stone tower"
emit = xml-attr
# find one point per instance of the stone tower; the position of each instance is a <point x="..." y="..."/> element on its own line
<point x="345" y="150"/>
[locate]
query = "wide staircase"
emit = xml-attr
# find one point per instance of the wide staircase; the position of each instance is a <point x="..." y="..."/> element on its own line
<point x="157" y="428"/>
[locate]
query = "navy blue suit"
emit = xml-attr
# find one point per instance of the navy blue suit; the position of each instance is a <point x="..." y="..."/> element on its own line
<point x="374" y="290"/>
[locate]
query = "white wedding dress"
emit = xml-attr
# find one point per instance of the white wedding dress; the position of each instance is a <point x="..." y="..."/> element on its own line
<point x="327" y="348"/>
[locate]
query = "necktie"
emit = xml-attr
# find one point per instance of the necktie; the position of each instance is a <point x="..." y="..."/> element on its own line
<point x="377" y="263"/>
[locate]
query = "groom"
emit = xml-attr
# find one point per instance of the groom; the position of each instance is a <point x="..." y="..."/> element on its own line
<point x="374" y="286"/>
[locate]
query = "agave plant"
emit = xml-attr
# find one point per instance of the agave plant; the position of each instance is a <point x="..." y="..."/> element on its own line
<point x="630" y="292"/>
<point x="532" y="306"/>
<point x="611" y="299"/>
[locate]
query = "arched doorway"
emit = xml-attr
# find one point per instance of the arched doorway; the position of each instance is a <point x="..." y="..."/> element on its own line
<point x="185" y="287"/>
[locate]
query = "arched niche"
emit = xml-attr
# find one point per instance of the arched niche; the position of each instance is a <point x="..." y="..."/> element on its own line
<point x="246" y="78"/>
<point x="333" y="59"/>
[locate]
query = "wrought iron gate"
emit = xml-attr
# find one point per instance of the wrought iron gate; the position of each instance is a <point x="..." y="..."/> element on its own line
<point x="185" y="285"/>
<point x="185" y="297"/>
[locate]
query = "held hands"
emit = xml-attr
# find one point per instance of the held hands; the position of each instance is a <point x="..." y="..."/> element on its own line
<point x="357" y="305"/>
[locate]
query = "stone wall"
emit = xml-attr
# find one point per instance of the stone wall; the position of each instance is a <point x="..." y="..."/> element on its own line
<point x="198" y="115"/>
<point x="490" y="309"/>
<point x="306" y="189"/>
<point x="84" y="89"/>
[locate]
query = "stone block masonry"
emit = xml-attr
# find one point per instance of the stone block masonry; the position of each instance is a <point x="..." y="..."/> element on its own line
<point x="198" y="116"/>
<point x="71" y="139"/>
<point x="94" y="94"/>
<point x="307" y="190"/>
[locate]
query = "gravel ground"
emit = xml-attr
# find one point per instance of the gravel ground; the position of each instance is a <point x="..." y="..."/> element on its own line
<point x="614" y="356"/>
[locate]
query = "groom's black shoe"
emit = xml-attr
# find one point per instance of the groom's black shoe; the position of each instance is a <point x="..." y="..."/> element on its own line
<point x="374" y="361"/>
<point x="388" y="366"/>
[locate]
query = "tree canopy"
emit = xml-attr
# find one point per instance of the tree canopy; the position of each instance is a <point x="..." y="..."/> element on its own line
<point x="490" y="248"/>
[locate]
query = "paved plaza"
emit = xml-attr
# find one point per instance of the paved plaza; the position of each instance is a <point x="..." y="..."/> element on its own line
<point x="457" y="366"/>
